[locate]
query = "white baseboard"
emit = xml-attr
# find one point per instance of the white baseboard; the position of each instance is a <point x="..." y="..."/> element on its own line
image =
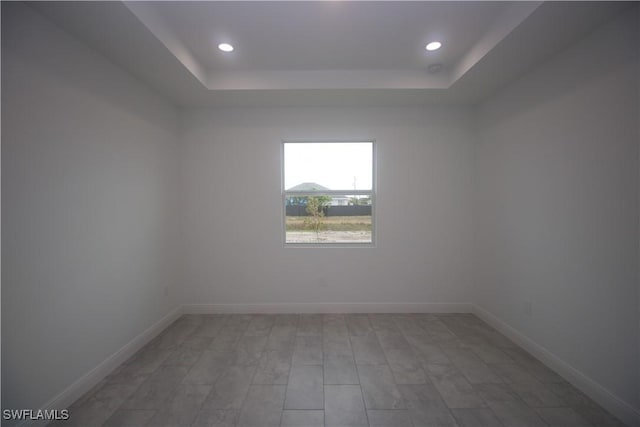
<point x="605" y="398"/>
<point x="97" y="374"/>
<point x="328" y="308"/>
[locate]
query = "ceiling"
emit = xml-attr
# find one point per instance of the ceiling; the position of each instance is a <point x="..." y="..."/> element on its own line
<point x="329" y="35"/>
<point x="327" y="52"/>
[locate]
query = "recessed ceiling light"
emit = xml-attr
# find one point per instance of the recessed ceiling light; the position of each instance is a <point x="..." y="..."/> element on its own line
<point x="225" y="47"/>
<point x="433" y="46"/>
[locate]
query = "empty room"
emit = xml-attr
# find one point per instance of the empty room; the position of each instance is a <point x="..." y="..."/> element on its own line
<point x="320" y="213"/>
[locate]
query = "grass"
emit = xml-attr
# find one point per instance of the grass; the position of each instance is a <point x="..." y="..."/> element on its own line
<point x="332" y="223"/>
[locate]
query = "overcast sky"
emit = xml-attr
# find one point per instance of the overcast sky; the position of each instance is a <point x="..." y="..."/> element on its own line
<point x="334" y="165"/>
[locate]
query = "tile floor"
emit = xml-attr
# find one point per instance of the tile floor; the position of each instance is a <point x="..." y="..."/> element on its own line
<point x="334" y="370"/>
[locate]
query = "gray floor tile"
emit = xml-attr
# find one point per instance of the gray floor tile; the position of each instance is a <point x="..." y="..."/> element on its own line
<point x="230" y="390"/>
<point x="571" y="395"/>
<point x="196" y="319"/>
<point x="470" y="340"/>
<point x="390" y="340"/>
<point x="476" y="417"/>
<point x="149" y="359"/>
<point x="302" y="419"/>
<point x="490" y="354"/>
<point x="281" y="337"/>
<point x="309" y="325"/>
<point x="97" y="408"/>
<point x="425" y="406"/>
<point x="197" y="342"/>
<point x="228" y="370"/>
<point x="597" y="416"/>
<point x="173" y="336"/>
<point x="336" y="345"/>
<point x="260" y="325"/>
<point x="340" y="370"/>
<point x="439" y="332"/>
<point x="442" y="336"/>
<point x="273" y="367"/>
<point x="344" y="406"/>
<point x="537" y="395"/>
<point x="358" y="325"/>
<point x="378" y="387"/>
<point x="307" y="351"/>
<point x="519" y="355"/>
<point x="408" y="325"/>
<point x="263" y="406"/>
<point x="334" y="323"/>
<point x="183" y="356"/>
<point x="532" y="365"/>
<point x="513" y="373"/>
<point x="208" y="368"/>
<point x="496" y="392"/>
<point x="248" y="350"/>
<point x="427" y="317"/>
<point x="495" y="338"/>
<point x="418" y="337"/>
<point x="563" y="417"/>
<point x="478" y="373"/>
<point x="459" y="326"/>
<point x="183" y="408"/>
<point x="158" y="389"/>
<point x="209" y="327"/>
<point x="305" y="389"/>
<point x="286" y="320"/>
<point x="384" y="323"/>
<point x="129" y="418"/>
<point x="216" y="418"/>
<point x="237" y="323"/>
<point x="454" y="387"/>
<point x="405" y="366"/>
<point x="544" y="374"/>
<point x="516" y="414"/>
<point x="426" y="351"/>
<point x="367" y="350"/>
<point x="387" y="418"/>
<point x="470" y="365"/>
<point x="225" y="341"/>
<point x="126" y="376"/>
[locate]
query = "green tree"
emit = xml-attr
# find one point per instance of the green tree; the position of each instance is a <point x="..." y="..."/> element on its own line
<point x="315" y="209"/>
<point x="354" y="201"/>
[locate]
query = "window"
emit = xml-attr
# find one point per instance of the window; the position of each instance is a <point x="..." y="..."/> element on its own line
<point x="328" y="193"/>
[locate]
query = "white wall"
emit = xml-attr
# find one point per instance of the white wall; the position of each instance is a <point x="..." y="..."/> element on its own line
<point x="557" y="206"/>
<point x="91" y="196"/>
<point x="88" y="161"/>
<point x="638" y="56"/>
<point x="232" y="210"/>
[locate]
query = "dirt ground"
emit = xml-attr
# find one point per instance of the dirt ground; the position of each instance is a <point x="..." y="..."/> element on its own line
<point x="332" y="223"/>
<point x="329" y="237"/>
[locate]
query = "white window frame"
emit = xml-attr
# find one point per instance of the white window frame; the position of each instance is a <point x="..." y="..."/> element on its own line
<point x="370" y="193"/>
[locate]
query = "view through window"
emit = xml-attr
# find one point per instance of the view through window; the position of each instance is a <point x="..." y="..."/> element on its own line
<point x="328" y="192"/>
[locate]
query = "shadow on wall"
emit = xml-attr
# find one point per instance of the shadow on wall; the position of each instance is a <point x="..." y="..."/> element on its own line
<point x="616" y="53"/>
<point x="22" y="32"/>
